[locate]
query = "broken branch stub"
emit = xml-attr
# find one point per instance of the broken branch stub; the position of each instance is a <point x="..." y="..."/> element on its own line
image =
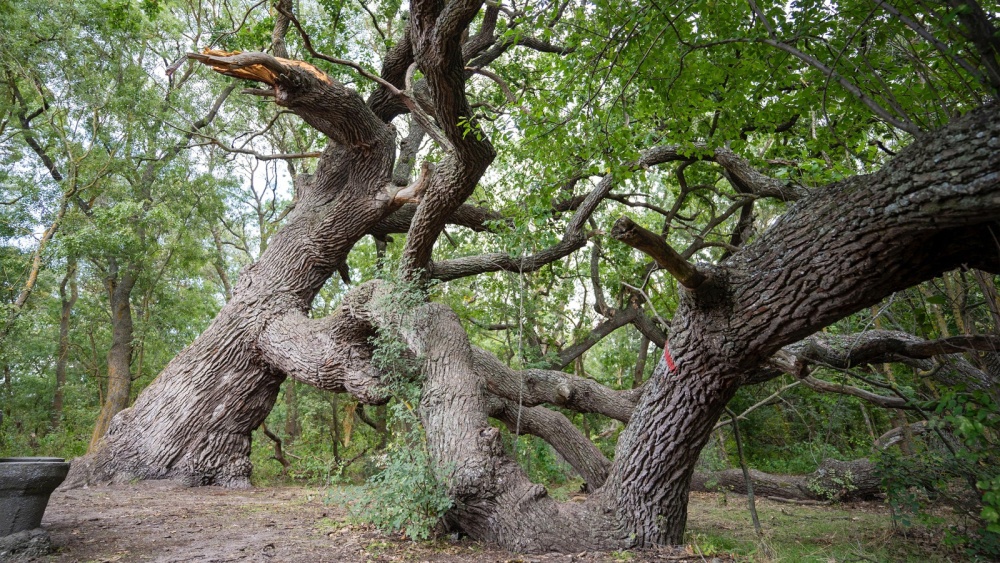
<point x="627" y="231"/>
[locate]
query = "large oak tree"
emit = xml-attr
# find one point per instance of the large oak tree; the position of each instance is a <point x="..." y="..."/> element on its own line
<point x="669" y="87"/>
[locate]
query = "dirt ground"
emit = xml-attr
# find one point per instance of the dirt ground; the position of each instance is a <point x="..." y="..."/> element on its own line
<point x="164" y="522"/>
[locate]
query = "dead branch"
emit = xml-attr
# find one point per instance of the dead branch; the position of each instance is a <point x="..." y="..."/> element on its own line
<point x="873" y="398"/>
<point x="557" y="431"/>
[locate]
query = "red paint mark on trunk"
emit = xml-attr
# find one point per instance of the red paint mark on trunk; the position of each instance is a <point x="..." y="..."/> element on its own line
<point x="668" y="358"/>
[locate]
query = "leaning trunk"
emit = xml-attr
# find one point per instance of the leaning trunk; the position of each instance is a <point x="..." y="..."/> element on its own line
<point x="194" y="422"/>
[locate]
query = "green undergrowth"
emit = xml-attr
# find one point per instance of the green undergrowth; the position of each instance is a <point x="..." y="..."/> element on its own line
<point x="719" y="527"/>
<point x="720" y="524"/>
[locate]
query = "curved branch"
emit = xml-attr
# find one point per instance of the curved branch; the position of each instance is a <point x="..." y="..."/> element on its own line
<point x="385" y="101"/>
<point x="557" y="431"/>
<point x="884" y="346"/>
<point x="648" y="328"/>
<point x="333" y="353"/>
<point x="436" y="34"/>
<point x="447" y="270"/>
<point x="614" y="321"/>
<point x="407" y="158"/>
<point x="572" y="240"/>
<point x="900" y="433"/>
<point x="531" y="387"/>
<point x="748" y="179"/>
<point x="842" y="389"/>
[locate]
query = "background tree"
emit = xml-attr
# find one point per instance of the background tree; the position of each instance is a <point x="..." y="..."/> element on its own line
<point x="97" y="133"/>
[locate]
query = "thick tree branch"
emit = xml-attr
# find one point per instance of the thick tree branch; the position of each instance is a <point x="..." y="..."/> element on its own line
<point x="651" y="330"/>
<point x="333" y="353"/>
<point x="488" y="487"/>
<point x="385" y="101"/>
<point x="407" y="158"/>
<point x="557" y="431"/>
<point x="853" y="243"/>
<point x="883" y="346"/>
<point x="327" y="105"/>
<point x="531" y="387"/>
<point x="436" y="32"/>
<point x="648" y="242"/>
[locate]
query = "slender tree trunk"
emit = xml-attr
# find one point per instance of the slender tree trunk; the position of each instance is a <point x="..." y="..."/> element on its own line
<point x="8" y="389"/>
<point x="62" y="357"/>
<point x="335" y="426"/>
<point x="292" y="428"/>
<point x="348" y="424"/>
<point x="120" y="354"/>
<point x="382" y="426"/>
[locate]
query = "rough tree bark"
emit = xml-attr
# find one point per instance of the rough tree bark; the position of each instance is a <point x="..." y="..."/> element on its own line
<point x="194" y="422"/>
<point x="841" y="248"/>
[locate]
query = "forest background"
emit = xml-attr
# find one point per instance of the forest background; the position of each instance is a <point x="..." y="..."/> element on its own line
<point x="135" y="186"/>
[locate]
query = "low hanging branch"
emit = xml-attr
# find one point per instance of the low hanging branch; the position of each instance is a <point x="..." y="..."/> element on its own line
<point x="842" y="389"/>
<point x="883" y="346"/>
<point x="648" y="242"/>
<point x="532" y="387"/>
<point x="559" y="432"/>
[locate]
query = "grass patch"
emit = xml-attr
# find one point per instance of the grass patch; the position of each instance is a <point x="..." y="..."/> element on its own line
<point x="719" y="523"/>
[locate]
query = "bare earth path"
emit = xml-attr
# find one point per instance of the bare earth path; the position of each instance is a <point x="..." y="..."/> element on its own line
<point x="163" y="522"/>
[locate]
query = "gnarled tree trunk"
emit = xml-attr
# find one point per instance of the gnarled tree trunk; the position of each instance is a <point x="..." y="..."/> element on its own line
<point x="839" y="249"/>
<point x="194" y="421"/>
